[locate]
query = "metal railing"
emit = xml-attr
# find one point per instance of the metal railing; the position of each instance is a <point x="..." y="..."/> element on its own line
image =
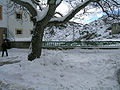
<point x="81" y="44"/>
<point x="69" y="44"/>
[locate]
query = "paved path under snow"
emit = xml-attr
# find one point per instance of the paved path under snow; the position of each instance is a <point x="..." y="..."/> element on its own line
<point x="8" y="60"/>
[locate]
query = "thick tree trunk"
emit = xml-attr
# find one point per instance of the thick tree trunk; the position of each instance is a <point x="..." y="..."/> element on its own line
<point x="36" y="42"/>
<point x="38" y="34"/>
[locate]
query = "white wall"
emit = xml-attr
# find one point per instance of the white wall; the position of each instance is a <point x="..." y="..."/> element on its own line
<point x="25" y="24"/>
<point x="3" y="22"/>
<point x="11" y="23"/>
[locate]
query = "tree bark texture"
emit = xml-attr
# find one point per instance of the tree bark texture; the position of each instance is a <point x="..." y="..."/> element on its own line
<point x="36" y="42"/>
<point x="38" y="34"/>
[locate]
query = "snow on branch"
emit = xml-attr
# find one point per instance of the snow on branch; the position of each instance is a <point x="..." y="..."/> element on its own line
<point x="58" y="2"/>
<point x="48" y="11"/>
<point x="42" y="14"/>
<point x="72" y="13"/>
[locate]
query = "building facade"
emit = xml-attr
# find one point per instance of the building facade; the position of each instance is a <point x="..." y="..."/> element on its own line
<point x="3" y="23"/>
<point x="17" y="25"/>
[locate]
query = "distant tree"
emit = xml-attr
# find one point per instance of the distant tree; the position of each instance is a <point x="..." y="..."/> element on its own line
<point x="43" y="14"/>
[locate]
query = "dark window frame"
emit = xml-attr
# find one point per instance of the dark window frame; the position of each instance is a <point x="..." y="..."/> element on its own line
<point x="18" y="16"/>
<point x="31" y="32"/>
<point x="19" y="31"/>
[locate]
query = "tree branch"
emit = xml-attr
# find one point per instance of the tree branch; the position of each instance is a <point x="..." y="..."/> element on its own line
<point x="59" y="14"/>
<point x="71" y="14"/>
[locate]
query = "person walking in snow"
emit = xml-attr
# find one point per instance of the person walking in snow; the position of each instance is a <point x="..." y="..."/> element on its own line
<point x="4" y="47"/>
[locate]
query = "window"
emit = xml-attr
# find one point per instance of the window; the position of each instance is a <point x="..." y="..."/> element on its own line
<point x="31" y="32"/>
<point x="31" y="18"/>
<point x="0" y="12"/>
<point x="18" y="15"/>
<point x="18" y="31"/>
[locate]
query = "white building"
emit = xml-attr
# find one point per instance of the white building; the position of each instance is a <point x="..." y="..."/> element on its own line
<point x="17" y="25"/>
<point x="3" y="22"/>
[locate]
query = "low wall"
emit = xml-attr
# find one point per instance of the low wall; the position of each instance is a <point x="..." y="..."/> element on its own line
<point x="69" y="44"/>
<point x="20" y="44"/>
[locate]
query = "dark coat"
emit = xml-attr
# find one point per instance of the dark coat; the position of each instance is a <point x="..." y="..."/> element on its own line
<point x="4" y="45"/>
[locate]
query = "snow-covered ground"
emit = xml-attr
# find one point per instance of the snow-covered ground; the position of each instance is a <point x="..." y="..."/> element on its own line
<point x="75" y="69"/>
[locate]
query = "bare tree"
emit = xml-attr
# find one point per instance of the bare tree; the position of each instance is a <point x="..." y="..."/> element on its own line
<point x="43" y="15"/>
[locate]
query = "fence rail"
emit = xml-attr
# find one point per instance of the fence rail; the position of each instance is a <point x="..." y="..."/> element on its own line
<point x="69" y="44"/>
<point x="81" y="44"/>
